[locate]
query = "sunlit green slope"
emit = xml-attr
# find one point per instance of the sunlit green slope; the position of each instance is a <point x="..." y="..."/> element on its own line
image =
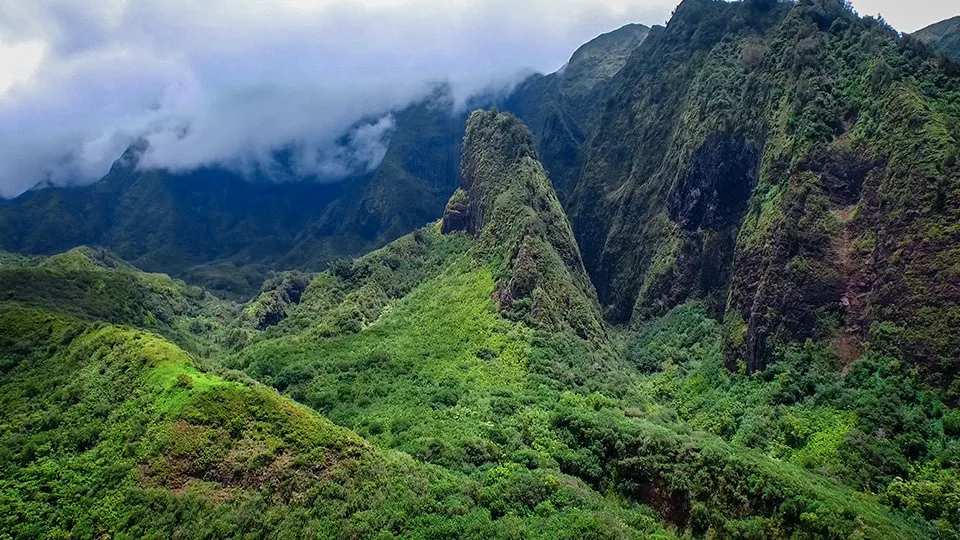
<point x="109" y="431"/>
<point x="415" y="348"/>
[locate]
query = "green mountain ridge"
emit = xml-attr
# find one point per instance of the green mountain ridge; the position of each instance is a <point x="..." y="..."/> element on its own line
<point x="712" y="293"/>
<point x="562" y="108"/>
<point x="515" y="427"/>
<point x="508" y="204"/>
<point x="92" y="284"/>
<point x="762" y="154"/>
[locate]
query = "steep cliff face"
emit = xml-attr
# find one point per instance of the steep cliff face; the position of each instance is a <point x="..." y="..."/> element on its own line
<point x="507" y="203"/>
<point x="791" y="165"/>
<point x="644" y="142"/>
<point x="562" y="108"/>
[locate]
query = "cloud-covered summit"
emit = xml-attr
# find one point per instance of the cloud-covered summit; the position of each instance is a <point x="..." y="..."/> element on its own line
<point x="233" y="82"/>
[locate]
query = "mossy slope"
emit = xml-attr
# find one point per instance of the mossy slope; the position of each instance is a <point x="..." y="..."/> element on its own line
<point x="507" y="203"/>
<point x="107" y="431"/>
<point x="441" y="372"/>
<point x="792" y="165"/>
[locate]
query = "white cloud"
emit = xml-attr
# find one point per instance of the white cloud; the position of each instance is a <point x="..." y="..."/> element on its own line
<point x="232" y="81"/>
<point x="19" y="62"/>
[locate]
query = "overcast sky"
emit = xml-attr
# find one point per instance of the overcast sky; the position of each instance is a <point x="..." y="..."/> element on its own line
<point x="230" y="81"/>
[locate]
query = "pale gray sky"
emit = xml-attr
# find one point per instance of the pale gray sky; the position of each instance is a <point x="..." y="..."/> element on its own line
<point x="909" y="15"/>
<point x="226" y="81"/>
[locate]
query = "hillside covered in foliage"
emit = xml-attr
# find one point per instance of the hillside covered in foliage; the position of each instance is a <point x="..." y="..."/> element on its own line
<point x="792" y="166"/>
<point x="712" y="293"/>
<point x="464" y="414"/>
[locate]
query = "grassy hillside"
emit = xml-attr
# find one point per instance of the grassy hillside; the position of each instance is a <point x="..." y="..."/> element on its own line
<point x="107" y="431"/>
<point x="440" y="376"/>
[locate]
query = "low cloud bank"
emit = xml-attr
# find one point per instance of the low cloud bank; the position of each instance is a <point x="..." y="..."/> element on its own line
<point x="233" y="82"/>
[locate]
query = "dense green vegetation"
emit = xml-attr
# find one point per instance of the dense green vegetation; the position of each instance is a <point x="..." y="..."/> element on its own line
<point x="437" y="374"/>
<point x="95" y="285"/>
<point x="789" y="164"/>
<point x="111" y="431"/>
<point x="768" y="202"/>
<point x="440" y="377"/>
<point x="871" y="424"/>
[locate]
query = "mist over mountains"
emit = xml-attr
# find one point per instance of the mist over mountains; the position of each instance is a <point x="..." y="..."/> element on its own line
<point x="700" y="281"/>
<point x="213" y="85"/>
<point x="300" y="207"/>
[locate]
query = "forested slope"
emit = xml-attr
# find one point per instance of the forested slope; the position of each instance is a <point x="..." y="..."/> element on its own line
<point x="791" y="165"/>
<point x="731" y="313"/>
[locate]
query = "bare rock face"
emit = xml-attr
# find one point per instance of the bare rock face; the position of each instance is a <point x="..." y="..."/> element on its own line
<point x="713" y="191"/>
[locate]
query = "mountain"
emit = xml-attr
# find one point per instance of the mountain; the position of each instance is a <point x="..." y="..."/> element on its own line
<point x="226" y="231"/>
<point x="727" y="166"/>
<point x="92" y="284"/>
<point x="943" y="37"/>
<point x="729" y="312"/>
<point x="562" y="108"/>
<point x="444" y="413"/>
<point x="507" y="202"/>
<point x="424" y="405"/>
<point x="113" y="431"/>
<point x="219" y="229"/>
<point x="419" y="349"/>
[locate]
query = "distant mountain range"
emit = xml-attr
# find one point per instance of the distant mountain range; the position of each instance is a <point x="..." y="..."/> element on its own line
<point x="216" y="228"/>
<point x="660" y="138"/>
<point x="943" y="37"/>
<point x="714" y="292"/>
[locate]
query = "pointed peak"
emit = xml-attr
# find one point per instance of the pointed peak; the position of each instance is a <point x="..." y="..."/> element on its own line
<point x="507" y="202"/>
<point x="494" y="143"/>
